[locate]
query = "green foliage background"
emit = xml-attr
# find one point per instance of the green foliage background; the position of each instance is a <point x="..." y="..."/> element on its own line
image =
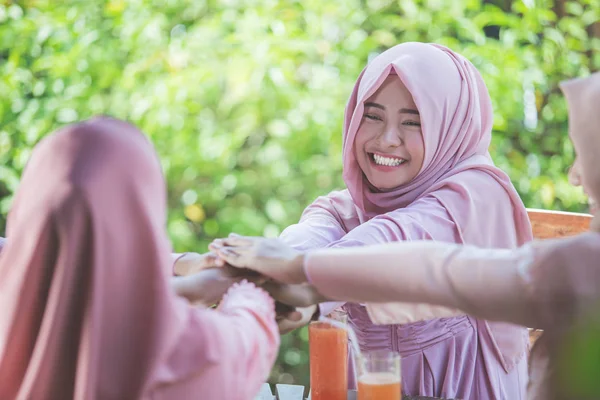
<point x="244" y="98"/>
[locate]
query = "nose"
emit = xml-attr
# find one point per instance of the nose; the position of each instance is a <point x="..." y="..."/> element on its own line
<point x="391" y="136"/>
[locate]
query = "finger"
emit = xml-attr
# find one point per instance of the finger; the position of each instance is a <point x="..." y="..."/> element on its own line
<point x="259" y="279"/>
<point x="232" y="257"/>
<point x="212" y="260"/>
<point x="286" y="325"/>
<point x="249" y="274"/>
<point x="244" y="253"/>
<point x="243" y="256"/>
<point x="214" y="246"/>
<point x="236" y="241"/>
<point x="241" y="250"/>
<point x="288" y="294"/>
<point x="283" y="309"/>
<point x="232" y="234"/>
<point x="216" y="242"/>
<point x="294" y="316"/>
<point x="219" y="262"/>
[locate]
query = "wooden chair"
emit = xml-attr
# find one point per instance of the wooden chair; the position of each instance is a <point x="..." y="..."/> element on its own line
<point x="545" y="224"/>
<point x="555" y="224"/>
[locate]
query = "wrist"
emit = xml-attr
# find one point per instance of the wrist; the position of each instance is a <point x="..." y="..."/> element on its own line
<point x="181" y="286"/>
<point x="298" y="274"/>
<point x="180" y="267"/>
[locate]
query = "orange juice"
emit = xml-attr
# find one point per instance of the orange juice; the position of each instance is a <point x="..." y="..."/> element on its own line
<point x="328" y="362"/>
<point x="379" y="386"/>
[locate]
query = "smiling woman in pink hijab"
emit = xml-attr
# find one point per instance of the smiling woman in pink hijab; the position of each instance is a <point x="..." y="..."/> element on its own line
<point x="552" y="285"/>
<point x="417" y="129"/>
<point x="87" y="308"/>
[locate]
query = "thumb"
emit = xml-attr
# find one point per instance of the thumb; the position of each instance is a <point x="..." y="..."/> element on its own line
<point x="294" y="316"/>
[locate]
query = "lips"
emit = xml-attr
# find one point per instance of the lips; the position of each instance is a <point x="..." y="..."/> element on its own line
<point x="386" y="160"/>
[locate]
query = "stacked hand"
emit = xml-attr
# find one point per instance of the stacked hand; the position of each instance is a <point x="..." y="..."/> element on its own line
<point x="269" y="257"/>
<point x="282" y="264"/>
<point x="208" y="285"/>
<point x="209" y="276"/>
<point x="191" y="263"/>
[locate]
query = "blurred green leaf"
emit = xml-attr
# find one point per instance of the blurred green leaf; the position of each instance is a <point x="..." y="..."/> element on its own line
<point x="244" y="99"/>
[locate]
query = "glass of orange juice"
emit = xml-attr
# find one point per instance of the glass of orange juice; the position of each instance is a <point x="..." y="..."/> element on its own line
<point x="328" y="348"/>
<point x="379" y="375"/>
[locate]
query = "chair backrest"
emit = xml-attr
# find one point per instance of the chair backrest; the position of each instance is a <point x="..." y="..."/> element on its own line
<point x="556" y="224"/>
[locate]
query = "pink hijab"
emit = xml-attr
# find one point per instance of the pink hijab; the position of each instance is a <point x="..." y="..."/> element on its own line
<point x="459" y="195"/>
<point x="87" y="312"/>
<point x="456" y="118"/>
<point x="566" y="275"/>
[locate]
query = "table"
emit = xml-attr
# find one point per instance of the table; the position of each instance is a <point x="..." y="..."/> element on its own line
<point x="296" y="392"/>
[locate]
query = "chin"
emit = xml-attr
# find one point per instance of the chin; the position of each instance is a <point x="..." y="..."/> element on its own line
<point x="385" y="186"/>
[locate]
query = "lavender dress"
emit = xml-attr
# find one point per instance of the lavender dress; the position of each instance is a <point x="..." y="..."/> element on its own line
<point x="445" y="357"/>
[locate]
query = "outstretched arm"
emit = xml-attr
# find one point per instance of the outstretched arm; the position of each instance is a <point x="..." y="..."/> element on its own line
<point x="225" y="353"/>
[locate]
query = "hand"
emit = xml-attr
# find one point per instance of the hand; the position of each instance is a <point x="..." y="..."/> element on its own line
<point x="283" y="311"/>
<point x="287" y="325"/>
<point x="301" y="298"/>
<point x="301" y="295"/>
<point x="209" y="285"/>
<point x="191" y="263"/>
<point x="269" y="257"/>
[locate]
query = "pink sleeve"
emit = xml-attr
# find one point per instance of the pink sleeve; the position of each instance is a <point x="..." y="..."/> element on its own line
<point x="425" y="219"/>
<point x="565" y="279"/>
<point x="320" y="224"/>
<point x="405" y="224"/>
<point x="492" y="284"/>
<point x="225" y="353"/>
<point x="253" y="337"/>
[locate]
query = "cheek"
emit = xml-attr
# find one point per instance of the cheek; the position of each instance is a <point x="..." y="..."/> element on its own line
<point x="416" y="148"/>
<point x="362" y="137"/>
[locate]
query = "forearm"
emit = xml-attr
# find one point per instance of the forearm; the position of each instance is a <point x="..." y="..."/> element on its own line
<point x="237" y="343"/>
<point x="252" y="336"/>
<point x="184" y="286"/>
<point x="491" y="284"/>
<point x="205" y="287"/>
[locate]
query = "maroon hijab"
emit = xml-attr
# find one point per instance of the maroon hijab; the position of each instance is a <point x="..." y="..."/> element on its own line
<point x="86" y="307"/>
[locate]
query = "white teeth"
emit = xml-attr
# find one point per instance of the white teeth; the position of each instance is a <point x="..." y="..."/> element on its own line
<point x="390" y="162"/>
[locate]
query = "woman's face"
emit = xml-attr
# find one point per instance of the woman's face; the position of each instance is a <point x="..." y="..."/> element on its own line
<point x="389" y="143"/>
<point x="581" y="175"/>
<point x="582" y="97"/>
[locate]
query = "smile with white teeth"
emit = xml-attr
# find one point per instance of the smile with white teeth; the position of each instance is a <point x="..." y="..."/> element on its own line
<point x="388" y="161"/>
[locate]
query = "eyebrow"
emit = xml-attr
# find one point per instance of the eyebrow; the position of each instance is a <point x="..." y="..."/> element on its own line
<point x="402" y="110"/>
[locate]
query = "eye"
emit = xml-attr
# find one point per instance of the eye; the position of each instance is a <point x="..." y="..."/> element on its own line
<point x="411" y="123"/>
<point x="373" y="117"/>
